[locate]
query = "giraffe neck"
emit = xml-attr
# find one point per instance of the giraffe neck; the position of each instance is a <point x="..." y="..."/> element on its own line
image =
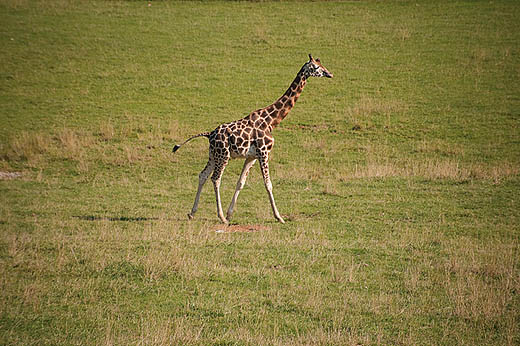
<point x="283" y="105"/>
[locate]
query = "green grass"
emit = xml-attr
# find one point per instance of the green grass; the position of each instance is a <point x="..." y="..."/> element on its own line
<point x="399" y="177"/>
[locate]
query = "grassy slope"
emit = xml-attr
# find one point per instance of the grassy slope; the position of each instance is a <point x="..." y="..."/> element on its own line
<point x="400" y="176"/>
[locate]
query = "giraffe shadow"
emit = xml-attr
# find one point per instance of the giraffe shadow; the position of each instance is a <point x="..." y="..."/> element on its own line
<point x="115" y="218"/>
<point x="141" y="219"/>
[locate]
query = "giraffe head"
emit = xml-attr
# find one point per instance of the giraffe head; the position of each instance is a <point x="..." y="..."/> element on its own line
<point x="315" y="68"/>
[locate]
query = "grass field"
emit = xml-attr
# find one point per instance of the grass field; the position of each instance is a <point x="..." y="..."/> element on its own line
<point x="399" y="178"/>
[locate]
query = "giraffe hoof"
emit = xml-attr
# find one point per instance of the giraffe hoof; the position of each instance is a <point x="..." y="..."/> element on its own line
<point x="280" y="219"/>
<point x="190" y="217"/>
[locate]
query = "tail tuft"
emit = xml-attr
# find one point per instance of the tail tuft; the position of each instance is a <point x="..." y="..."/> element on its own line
<point x="175" y="148"/>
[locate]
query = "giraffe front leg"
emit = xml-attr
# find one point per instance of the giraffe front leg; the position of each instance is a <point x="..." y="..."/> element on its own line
<point x="264" y="166"/>
<point x="203" y="176"/>
<point x="240" y="184"/>
<point x="216" y="178"/>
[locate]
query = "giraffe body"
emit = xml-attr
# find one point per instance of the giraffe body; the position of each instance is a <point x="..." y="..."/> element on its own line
<point x="250" y="138"/>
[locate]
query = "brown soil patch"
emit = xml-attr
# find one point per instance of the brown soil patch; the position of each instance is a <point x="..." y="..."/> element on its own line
<point x="239" y="228"/>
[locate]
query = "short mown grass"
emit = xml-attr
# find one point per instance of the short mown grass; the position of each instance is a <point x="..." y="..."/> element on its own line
<point x="399" y="178"/>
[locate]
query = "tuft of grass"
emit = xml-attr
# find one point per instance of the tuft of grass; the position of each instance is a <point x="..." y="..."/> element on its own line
<point x="106" y="131"/>
<point x="26" y="147"/>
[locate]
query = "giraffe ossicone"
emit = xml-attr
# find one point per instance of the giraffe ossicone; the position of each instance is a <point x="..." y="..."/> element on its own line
<point x="250" y="138"/>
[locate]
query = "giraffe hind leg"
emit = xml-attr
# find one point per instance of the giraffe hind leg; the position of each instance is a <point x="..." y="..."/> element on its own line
<point x="203" y="176"/>
<point x="216" y="178"/>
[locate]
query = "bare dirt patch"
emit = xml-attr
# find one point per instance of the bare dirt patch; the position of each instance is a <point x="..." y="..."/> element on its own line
<point x="239" y="228"/>
<point x="10" y="175"/>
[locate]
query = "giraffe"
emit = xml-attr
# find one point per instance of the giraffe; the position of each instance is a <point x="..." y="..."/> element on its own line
<point x="250" y="138"/>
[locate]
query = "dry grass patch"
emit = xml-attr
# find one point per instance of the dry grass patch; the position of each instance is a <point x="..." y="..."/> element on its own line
<point x="155" y="331"/>
<point x="138" y="141"/>
<point x="369" y="108"/>
<point x="107" y="131"/>
<point x="481" y="280"/>
<point x="345" y="270"/>
<point x="152" y="330"/>
<point x="26" y="146"/>
<point x="174" y="131"/>
<point x="304" y="170"/>
<point x="239" y="228"/>
<point x="403" y="33"/>
<point x="438" y="147"/>
<point x="69" y="141"/>
<point x="36" y="148"/>
<point x="431" y="169"/>
<point x="74" y="145"/>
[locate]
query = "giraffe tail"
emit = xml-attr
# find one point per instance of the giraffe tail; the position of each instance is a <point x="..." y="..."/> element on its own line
<point x="204" y="134"/>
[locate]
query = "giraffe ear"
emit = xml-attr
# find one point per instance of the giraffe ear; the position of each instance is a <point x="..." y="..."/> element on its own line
<point x="318" y="60"/>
